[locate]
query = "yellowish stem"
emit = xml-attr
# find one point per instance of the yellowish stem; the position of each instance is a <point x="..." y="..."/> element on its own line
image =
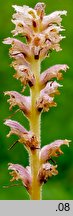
<point x="35" y="128"/>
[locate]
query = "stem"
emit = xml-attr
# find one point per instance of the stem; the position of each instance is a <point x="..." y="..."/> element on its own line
<point x="35" y="128"/>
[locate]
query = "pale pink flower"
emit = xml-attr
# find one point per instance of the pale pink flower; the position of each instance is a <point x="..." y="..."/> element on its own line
<point x="23" y="70"/>
<point x="52" y="72"/>
<point x="46" y="98"/>
<point x="22" y="28"/>
<point x="26" y="137"/>
<point x="45" y="102"/>
<point x="52" y="150"/>
<point x="18" y="47"/>
<point x="28" y="12"/>
<point x="54" y="17"/>
<point x="20" y="173"/>
<point x="51" y="88"/>
<point x="22" y="55"/>
<point x="46" y="171"/>
<point x="22" y="101"/>
<point x="16" y="127"/>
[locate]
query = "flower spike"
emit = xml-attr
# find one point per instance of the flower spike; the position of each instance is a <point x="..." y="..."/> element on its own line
<point x="42" y="35"/>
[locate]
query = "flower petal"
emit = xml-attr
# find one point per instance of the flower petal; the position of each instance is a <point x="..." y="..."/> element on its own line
<point x="46" y="171"/>
<point x="52" y="72"/>
<point x="19" y="172"/>
<point x="17" y="99"/>
<point x="52" y="149"/>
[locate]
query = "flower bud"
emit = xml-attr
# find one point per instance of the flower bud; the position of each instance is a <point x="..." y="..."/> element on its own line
<point x="40" y="8"/>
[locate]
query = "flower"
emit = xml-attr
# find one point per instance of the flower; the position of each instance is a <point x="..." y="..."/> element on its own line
<point x="51" y="88"/>
<point x="26" y="137"/>
<point x="46" y="98"/>
<point x="45" y="102"/>
<point x="54" y="17"/>
<point x="52" y="72"/>
<point x="23" y="71"/>
<point x="18" y="47"/>
<point x="16" y="128"/>
<point x="22" y="55"/>
<point x="20" y="173"/>
<point x="22" y="101"/>
<point x="46" y="171"/>
<point x="52" y="150"/>
<point x="22" y="28"/>
<point x="26" y="15"/>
